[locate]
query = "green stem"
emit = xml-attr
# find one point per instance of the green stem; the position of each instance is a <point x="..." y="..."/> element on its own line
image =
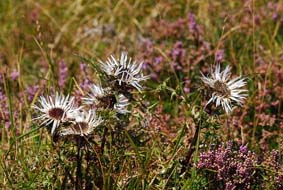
<point x="79" y="165"/>
<point x="192" y="146"/>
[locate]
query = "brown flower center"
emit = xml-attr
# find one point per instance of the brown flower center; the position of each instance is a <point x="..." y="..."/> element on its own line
<point x="221" y="88"/>
<point x="107" y="101"/>
<point x="56" y="113"/>
<point x="80" y="127"/>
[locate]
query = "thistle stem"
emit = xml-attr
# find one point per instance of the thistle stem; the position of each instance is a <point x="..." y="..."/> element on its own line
<point x="79" y="165"/>
<point x="192" y="147"/>
<point x="103" y="140"/>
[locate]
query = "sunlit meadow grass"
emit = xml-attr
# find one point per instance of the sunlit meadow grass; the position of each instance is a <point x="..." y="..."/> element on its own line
<point x="169" y="138"/>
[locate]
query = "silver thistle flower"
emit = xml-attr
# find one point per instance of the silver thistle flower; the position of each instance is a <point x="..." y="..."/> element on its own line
<point x="225" y="92"/>
<point x="95" y="95"/>
<point x="84" y="124"/>
<point x="124" y="70"/>
<point x="55" y="111"/>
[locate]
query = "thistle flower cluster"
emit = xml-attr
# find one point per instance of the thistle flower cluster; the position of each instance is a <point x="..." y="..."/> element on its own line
<point x="60" y="110"/>
<point x="63" y="115"/>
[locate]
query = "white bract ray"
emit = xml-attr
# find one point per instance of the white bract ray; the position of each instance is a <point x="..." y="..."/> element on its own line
<point x="96" y="93"/>
<point x="122" y="104"/>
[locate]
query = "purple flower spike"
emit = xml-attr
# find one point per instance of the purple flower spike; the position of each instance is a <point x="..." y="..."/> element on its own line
<point x="244" y="148"/>
<point x="192" y="21"/>
<point x="63" y="73"/>
<point x="219" y="55"/>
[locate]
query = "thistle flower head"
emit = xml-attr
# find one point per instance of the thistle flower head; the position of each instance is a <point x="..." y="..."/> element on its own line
<point x="55" y="110"/>
<point x="225" y="91"/>
<point x="95" y="95"/>
<point x="84" y="124"/>
<point x="100" y="98"/>
<point x="124" y="71"/>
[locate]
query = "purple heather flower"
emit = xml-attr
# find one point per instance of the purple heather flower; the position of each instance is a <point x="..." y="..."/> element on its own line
<point x="154" y="76"/>
<point x="244" y="148"/>
<point x="31" y="91"/>
<point x="85" y="84"/>
<point x="219" y="55"/>
<point x="145" y="65"/>
<point x="257" y="19"/>
<point x="2" y="95"/>
<point x="7" y="124"/>
<point x="178" y="55"/>
<point x="275" y="16"/>
<point x="83" y="67"/>
<point x="63" y="73"/>
<point x="230" y="186"/>
<point x="233" y="167"/>
<point x="192" y="21"/>
<point x="158" y="59"/>
<point x="4" y="115"/>
<point x="187" y="90"/>
<point x="148" y="45"/>
<point x="14" y="75"/>
<point x="177" y="50"/>
<point x="175" y="53"/>
<point x="271" y="5"/>
<point x="187" y="85"/>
